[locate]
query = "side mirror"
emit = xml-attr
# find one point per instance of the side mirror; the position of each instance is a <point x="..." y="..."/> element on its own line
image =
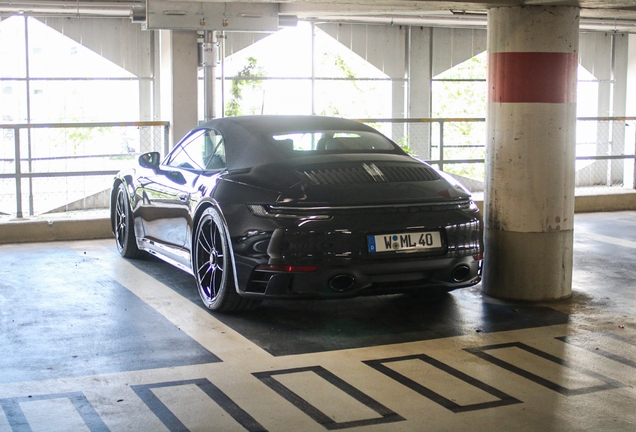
<point x="150" y="160"/>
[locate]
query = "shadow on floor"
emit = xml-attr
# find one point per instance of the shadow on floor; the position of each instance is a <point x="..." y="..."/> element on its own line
<point x="286" y="327"/>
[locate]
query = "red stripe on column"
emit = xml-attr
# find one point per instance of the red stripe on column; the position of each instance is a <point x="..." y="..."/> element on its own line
<point x="532" y="77"/>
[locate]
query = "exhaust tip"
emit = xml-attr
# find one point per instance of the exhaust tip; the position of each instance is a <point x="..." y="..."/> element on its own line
<point x="461" y="273"/>
<point x="342" y="282"/>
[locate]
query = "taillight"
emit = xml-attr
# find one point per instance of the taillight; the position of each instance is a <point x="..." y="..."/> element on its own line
<point x="286" y="268"/>
<point x="281" y="212"/>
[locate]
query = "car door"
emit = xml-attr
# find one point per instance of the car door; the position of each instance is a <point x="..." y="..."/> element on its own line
<point x="169" y="195"/>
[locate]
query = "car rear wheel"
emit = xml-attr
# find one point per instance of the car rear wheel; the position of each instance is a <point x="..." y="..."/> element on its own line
<point x="123" y="224"/>
<point x="213" y="266"/>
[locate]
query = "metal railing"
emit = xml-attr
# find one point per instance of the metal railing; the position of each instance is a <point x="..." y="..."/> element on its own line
<point x="67" y="167"/>
<point x="605" y="148"/>
<point x="60" y="167"/>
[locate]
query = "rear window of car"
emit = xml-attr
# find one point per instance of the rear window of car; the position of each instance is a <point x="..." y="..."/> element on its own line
<point x="334" y="141"/>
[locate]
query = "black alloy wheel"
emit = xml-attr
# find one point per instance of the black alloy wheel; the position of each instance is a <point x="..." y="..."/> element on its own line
<point x="123" y="224"/>
<point x="213" y="266"/>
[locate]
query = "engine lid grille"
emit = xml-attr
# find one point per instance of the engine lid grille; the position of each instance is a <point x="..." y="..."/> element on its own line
<point x="367" y="173"/>
<point x="463" y="204"/>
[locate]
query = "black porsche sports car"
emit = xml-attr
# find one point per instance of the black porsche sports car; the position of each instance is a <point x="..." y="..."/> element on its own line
<point x="297" y="207"/>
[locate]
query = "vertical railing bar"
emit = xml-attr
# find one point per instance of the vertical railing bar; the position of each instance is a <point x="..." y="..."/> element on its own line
<point x="18" y="173"/>
<point x="30" y="164"/>
<point x="634" y="174"/>
<point x="27" y="64"/>
<point x="166" y="139"/>
<point x="441" y="144"/>
<point x="313" y="68"/>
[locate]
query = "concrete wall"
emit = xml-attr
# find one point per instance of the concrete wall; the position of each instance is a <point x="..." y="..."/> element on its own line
<point x="114" y="39"/>
<point x="121" y="43"/>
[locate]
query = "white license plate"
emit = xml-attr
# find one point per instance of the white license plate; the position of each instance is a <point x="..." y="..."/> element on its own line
<point x="405" y="242"/>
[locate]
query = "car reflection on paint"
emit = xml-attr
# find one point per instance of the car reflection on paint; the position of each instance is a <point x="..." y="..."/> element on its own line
<point x="291" y="207"/>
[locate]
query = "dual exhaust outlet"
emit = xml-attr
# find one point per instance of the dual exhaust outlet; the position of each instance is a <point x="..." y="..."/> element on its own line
<point x="344" y="282"/>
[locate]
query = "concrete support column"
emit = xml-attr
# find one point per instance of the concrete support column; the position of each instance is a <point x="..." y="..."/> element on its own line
<point x="209" y="55"/>
<point x="397" y="111"/>
<point x="529" y="200"/>
<point x="419" y="98"/>
<point x="179" y="63"/>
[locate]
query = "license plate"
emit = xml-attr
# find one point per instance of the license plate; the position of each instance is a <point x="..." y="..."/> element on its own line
<point x="405" y="242"/>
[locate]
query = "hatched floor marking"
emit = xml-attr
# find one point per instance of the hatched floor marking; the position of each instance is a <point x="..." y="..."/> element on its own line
<point x="444" y="385"/>
<point x="177" y="409"/>
<point x="609" y="345"/>
<point x="313" y="394"/>
<point x="64" y="411"/>
<point x="517" y="357"/>
<point x="295" y="385"/>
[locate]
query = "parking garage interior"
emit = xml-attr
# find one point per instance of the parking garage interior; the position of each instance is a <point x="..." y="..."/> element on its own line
<point x="91" y="341"/>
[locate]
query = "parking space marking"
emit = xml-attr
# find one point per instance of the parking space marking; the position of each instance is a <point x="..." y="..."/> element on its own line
<point x="470" y="384"/>
<point x="603" y="347"/>
<point x="349" y="394"/>
<point x="340" y="388"/>
<point x="608" y="383"/>
<point x="85" y="413"/>
<point x="173" y="423"/>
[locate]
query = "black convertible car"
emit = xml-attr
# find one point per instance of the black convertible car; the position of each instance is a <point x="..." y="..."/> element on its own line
<point x="297" y="207"/>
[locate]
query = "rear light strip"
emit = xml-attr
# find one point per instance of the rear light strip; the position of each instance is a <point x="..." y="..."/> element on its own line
<point x="286" y="268"/>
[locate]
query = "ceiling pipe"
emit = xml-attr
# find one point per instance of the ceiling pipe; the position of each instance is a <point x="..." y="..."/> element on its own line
<point x="136" y="11"/>
<point x="472" y="21"/>
<point x="84" y="8"/>
<point x="72" y="4"/>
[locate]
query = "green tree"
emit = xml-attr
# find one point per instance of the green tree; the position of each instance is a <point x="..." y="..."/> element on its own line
<point x="461" y="92"/>
<point x="247" y="76"/>
<point x="347" y="71"/>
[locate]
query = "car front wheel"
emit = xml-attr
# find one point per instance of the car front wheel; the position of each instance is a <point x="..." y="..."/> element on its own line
<point x="213" y="266"/>
<point x="124" y="229"/>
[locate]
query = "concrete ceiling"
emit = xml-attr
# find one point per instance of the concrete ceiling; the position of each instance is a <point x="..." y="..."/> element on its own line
<point x="608" y="15"/>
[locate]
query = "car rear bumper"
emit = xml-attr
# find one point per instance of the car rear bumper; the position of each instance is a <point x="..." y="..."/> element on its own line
<point x="335" y="281"/>
<point x="334" y="257"/>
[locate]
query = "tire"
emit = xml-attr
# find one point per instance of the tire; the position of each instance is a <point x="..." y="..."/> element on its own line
<point x="212" y="265"/>
<point x="123" y="226"/>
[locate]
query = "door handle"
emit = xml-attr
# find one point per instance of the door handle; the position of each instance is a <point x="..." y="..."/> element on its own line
<point x="183" y="197"/>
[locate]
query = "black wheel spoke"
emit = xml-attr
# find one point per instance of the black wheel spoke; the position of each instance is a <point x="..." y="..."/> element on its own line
<point x="204" y="243"/>
<point x="216" y="238"/>
<point x="204" y="270"/>
<point x="120" y="219"/>
<point x="218" y="277"/>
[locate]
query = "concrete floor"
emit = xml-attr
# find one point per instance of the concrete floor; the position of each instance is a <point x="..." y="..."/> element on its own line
<point x="91" y="341"/>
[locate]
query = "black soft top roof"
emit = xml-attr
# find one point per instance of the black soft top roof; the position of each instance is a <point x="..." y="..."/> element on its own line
<point x="248" y="139"/>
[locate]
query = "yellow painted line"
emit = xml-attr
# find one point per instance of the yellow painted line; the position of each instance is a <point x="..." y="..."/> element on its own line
<point x="611" y="240"/>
